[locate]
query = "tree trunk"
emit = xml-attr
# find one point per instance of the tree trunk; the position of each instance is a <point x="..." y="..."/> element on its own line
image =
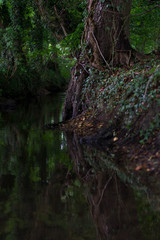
<point x="73" y="103"/>
<point x="107" y="32"/>
<point x="106" y="37"/>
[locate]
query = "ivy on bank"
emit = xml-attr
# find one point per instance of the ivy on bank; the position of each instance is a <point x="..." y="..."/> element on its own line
<point x="128" y="94"/>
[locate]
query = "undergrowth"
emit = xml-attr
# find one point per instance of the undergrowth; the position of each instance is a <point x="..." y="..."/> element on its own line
<point x="128" y="93"/>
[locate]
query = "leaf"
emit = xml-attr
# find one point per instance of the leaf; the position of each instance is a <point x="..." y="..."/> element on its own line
<point x="115" y="139"/>
<point x="139" y="167"/>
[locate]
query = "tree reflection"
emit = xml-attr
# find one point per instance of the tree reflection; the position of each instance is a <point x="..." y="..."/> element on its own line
<point x="114" y="195"/>
<point x="40" y="197"/>
<point x="41" y="188"/>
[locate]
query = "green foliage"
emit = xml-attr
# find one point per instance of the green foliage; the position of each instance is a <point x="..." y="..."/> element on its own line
<point x="32" y="37"/>
<point x="73" y="41"/>
<point x="145" y="26"/>
<point x="65" y="65"/>
<point x="28" y="38"/>
<point x="154" y="125"/>
<point x="148" y="216"/>
<point x="127" y="94"/>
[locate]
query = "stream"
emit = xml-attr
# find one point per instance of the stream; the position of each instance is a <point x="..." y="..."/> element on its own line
<point x="54" y="188"/>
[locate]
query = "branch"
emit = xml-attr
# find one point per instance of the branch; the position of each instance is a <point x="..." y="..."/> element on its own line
<point x="104" y="190"/>
<point x="14" y="70"/>
<point x="46" y="18"/>
<point x="100" y="51"/>
<point x="135" y="15"/>
<point x="60" y="21"/>
<point x="83" y="67"/>
<point x="1" y="25"/>
<point x="149" y="81"/>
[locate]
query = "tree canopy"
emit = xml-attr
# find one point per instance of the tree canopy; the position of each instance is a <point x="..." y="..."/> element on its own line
<point x="39" y="39"/>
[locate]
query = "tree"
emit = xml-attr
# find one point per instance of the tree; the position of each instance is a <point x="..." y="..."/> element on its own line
<point x="33" y="33"/>
<point x="106" y="38"/>
<point x="145" y="25"/>
<point x="107" y="32"/>
<point x="29" y="34"/>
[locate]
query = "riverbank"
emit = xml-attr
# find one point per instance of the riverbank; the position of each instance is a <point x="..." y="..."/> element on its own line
<point x="127" y="101"/>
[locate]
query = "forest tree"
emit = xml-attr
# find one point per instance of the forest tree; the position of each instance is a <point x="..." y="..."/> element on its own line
<point x="106" y="40"/>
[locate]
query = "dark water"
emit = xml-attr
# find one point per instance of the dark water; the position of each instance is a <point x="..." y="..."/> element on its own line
<point x="53" y="188"/>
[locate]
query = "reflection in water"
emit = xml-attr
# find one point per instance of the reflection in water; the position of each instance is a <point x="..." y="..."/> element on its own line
<point x="40" y="197"/>
<point x="121" y="206"/>
<point x="42" y="190"/>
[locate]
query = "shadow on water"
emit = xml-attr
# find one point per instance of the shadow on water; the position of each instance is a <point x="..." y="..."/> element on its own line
<point x="122" y="205"/>
<point x="40" y="197"/>
<point x="45" y="193"/>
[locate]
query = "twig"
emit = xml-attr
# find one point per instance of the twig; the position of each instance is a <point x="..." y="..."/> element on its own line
<point x="135" y="15"/>
<point x="100" y="51"/>
<point x="149" y="81"/>
<point x="14" y="70"/>
<point x="87" y="174"/>
<point x="104" y="190"/>
<point x="60" y="21"/>
<point x="83" y="67"/>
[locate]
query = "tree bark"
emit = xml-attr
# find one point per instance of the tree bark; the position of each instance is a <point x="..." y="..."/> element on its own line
<point x="107" y="32"/>
<point x="73" y="103"/>
<point x="106" y="36"/>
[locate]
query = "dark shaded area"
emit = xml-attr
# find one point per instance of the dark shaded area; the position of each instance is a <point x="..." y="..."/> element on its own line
<point x="44" y="193"/>
<point x="40" y="197"/>
<point x="9" y="104"/>
<point x="73" y="104"/>
<point x="122" y="205"/>
<point x="101" y="139"/>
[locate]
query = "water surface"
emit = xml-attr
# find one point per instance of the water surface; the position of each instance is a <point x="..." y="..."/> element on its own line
<point x="40" y="197"/>
<point x="54" y="188"/>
